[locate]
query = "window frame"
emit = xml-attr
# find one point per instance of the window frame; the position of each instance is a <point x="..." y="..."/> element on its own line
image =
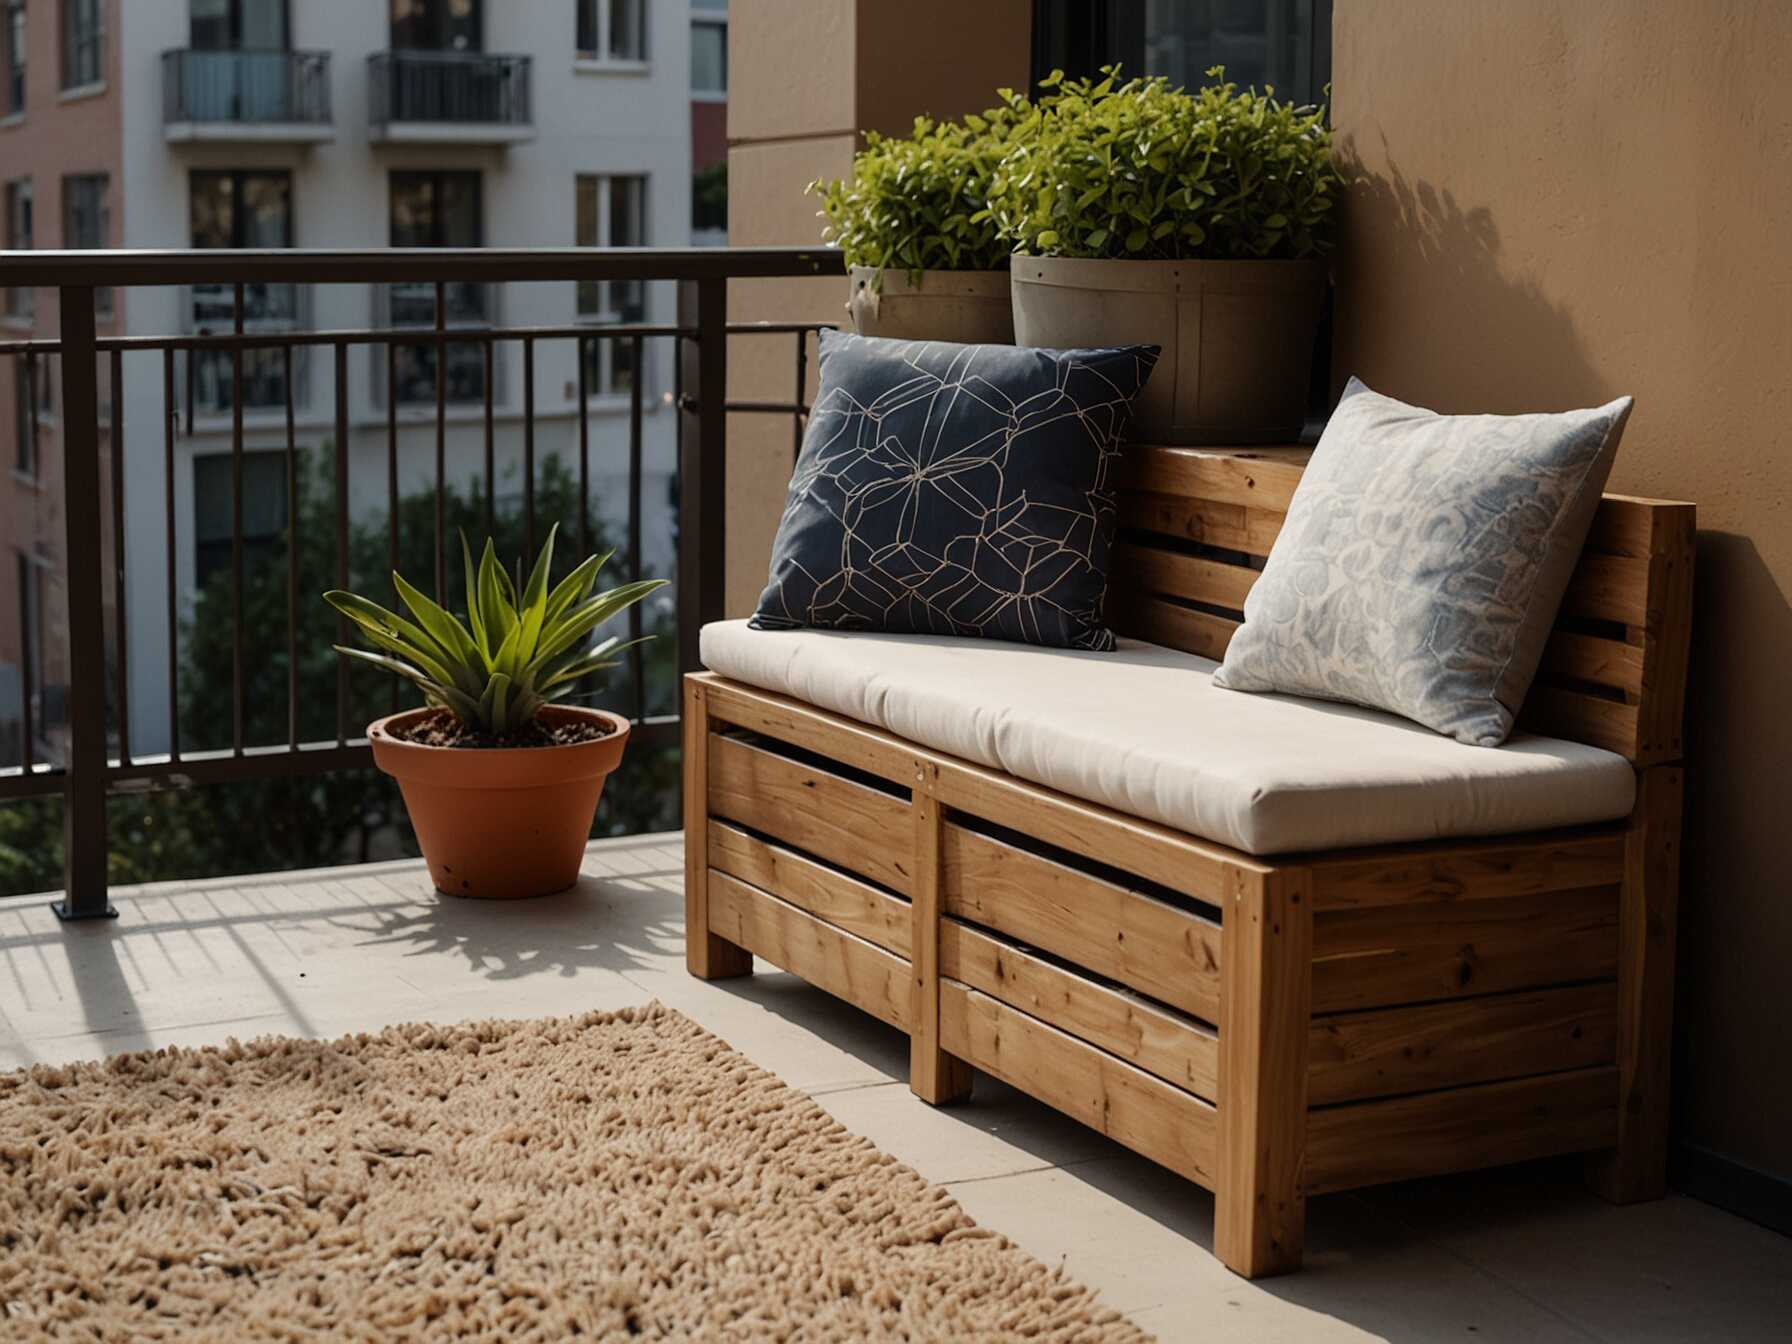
<point x="483" y="295"/>
<point x="83" y="43"/>
<point x="716" y="19"/>
<point x="607" y="303"/>
<point x="72" y="185"/>
<point x="234" y="20"/>
<point x="438" y="18"/>
<point x="266" y="307"/>
<point x="593" y="38"/>
<point x="15" y="35"/>
<point x="257" y="546"/>
<point x="20" y="301"/>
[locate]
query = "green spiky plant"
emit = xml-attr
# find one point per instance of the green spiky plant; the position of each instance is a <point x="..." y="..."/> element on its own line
<point x="513" y="655"/>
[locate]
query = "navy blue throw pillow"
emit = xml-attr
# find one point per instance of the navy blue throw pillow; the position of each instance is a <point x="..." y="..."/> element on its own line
<point x="955" y="490"/>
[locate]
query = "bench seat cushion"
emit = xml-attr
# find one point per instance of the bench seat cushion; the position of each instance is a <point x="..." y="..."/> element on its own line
<point x="1144" y="730"/>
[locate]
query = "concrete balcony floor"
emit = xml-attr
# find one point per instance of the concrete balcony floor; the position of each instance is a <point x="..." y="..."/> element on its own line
<point x="1523" y="1254"/>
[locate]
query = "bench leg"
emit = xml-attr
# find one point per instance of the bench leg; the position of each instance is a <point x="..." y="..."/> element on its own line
<point x="1636" y="1169"/>
<point x="933" y="1075"/>
<point x="1266" y="968"/>
<point x="707" y="956"/>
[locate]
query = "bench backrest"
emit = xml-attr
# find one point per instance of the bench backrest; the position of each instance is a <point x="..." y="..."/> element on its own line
<point x="1195" y="524"/>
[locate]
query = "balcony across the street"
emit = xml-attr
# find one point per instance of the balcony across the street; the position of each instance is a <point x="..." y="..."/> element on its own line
<point x="448" y="97"/>
<point x="270" y="97"/>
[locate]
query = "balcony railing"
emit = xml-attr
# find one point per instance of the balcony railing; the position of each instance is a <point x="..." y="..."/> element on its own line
<point x="246" y="95"/>
<point x="449" y="95"/>
<point x="99" y="760"/>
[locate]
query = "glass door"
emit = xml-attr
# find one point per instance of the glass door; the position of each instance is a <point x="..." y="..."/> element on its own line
<point x="438" y="25"/>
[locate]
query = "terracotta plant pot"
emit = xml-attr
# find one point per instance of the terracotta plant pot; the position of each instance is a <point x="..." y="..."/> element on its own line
<point x="969" y="307"/>
<point x="1237" y="337"/>
<point x="507" y="822"/>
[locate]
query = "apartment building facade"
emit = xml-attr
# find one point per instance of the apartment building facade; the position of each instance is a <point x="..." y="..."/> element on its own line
<point x="343" y="124"/>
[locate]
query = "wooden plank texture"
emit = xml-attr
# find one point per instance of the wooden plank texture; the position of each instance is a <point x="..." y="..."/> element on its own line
<point x="829" y="958"/>
<point x="1378" y="1141"/>
<point x="1194" y="578"/>
<point x="858" y="907"/>
<point x="1130" y="1106"/>
<point x="1263" y="478"/>
<point x="1232" y="527"/>
<point x="1389" y="1052"/>
<point x="935" y="1076"/>
<point x="707" y="956"/>
<point x="1159" y="622"/>
<point x="1467" y="870"/>
<point x="1161" y="1042"/>
<point x="1144" y="943"/>
<point x="844" y="822"/>
<point x="839" y="739"/>
<point x="1389" y="955"/>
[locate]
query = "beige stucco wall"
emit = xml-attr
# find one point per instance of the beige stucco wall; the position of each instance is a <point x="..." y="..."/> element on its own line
<point x="806" y="76"/>
<point x="1560" y="203"/>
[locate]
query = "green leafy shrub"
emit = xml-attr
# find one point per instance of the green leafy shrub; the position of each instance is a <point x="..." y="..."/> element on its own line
<point x="512" y="656"/>
<point x="918" y="203"/>
<point x="1141" y="170"/>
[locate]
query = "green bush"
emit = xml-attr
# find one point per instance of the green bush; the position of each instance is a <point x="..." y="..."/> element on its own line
<point x="919" y="203"/>
<point x="1144" y="171"/>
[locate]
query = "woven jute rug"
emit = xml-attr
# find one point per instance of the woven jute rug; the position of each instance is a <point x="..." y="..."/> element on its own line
<point x="609" y="1176"/>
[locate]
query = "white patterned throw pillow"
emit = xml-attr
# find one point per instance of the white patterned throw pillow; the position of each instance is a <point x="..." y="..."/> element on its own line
<point x="1423" y="561"/>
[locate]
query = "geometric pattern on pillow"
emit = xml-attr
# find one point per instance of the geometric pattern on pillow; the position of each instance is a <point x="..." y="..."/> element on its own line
<point x="955" y="490"/>
<point x="1423" y="561"/>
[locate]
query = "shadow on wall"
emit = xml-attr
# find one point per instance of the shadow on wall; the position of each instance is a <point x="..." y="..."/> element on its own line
<point x="1446" y="262"/>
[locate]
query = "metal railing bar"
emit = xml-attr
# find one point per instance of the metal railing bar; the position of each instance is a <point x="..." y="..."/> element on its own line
<point x="61" y="267"/>
<point x="41" y="781"/>
<point x="342" y="636"/>
<point x="170" y="427"/>
<point x="236" y="529"/>
<point x="120" y="608"/>
<point x="528" y="452"/>
<point x="292" y="564"/>
<point x="635" y="486"/>
<point x="584" y="354"/>
<point x="441" y="432"/>
<point x="392" y="485"/>
<point x="802" y="392"/>
<point x="491" y="479"/>
<point x="27" y="651"/>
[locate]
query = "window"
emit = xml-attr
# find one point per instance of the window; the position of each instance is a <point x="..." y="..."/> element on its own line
<point x="242" y="208"/>
<point x="438" y="209"/>
<point x="12" y="101"/>
<point x="612" y="212"/>
<point x="438" y="25"/>
<point x="264" y="511"/>
<point x="613" y="30"/>
<point x="239" y="25"/>
<point x="87" y="222"/>
<point x="83" y="43"/>
<point x="709" y="57"/>
<point x="1286" y="43"/>
<point x="19" y="302"/>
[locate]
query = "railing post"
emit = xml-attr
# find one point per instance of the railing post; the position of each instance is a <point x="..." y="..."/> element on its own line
<point x="84" y="799"/>
<point x="702" y="467"/>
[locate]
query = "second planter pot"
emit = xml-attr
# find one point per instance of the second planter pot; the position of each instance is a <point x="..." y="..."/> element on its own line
<point x="1236" y="336"/>
<point x="969" y="307"/>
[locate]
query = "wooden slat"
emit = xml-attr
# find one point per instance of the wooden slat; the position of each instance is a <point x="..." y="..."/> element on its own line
<point x="706" y="956"/>
<point x="1130" y="1106"/>
<point x="1636" y="1168"/>
<point x="840" y="739"/>
<point x="858" y="907"/>
<point x="1159" y="622"/>
<point x="1255" y="478"/>
<point x="839" y="820"/>
<point x="829" y="958"/>
<point x="1389" y="1052"/>
<point x="1389" y="955"/>
<point x="1144" y="943"/>
<point x="1467" y="871"/>
<point x="934" y="1075"/>
<point x="1459" y="1130"/>
<point x="1558" y="712"/>
<point x="1667" y="639"/>
<point x="1231" y="526"/>
<point x="1190" y="577"/>
<point x="1160" y="1042"/>
<point x="1609" y="588"/>
<point x="1571" y="656"/>
<point x="1197" y="868"/>
<point x="1259" y="1222"/>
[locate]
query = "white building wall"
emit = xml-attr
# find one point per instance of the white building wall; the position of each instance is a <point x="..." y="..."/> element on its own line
<point x="588" y="119"/>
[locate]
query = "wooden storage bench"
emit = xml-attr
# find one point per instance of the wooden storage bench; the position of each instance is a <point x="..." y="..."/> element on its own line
<point x="1268" y="1028"/>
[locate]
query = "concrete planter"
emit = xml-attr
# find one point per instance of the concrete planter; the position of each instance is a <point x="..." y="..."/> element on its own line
<point x="970" y="307"/>
<point x="1237" y="337"/>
